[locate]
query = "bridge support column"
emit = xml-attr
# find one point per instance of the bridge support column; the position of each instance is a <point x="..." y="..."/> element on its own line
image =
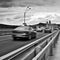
<point x="54" y="44"/>
<point x="37" y="49"/>
<point x="56" y="39"/>
<point x="44" y="57"/>
<point x="51" y="51"/>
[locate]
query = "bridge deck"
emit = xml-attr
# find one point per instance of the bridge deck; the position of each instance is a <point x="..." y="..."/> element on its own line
<point x="56" y="52"/>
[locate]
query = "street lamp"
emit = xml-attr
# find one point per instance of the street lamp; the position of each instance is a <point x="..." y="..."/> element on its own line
<point x="27" y="8"/>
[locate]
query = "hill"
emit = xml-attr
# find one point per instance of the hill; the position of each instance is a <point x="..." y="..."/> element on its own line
<point x="14" y="26"/>
<point x="7" y="26"/>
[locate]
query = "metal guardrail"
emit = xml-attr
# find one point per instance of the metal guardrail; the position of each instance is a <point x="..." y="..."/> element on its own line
<point x="47" y="50"/>
<point x="24" y="48"/>
<point x="33" y="51"/>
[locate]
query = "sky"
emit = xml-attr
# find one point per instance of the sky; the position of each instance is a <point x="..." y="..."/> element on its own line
<point x="12" y="11"/>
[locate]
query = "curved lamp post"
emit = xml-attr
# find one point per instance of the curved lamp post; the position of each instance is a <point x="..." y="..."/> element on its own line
<point x="27" y="8"/>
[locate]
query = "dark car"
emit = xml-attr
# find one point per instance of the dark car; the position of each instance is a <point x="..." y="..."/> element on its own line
<point x="47" y="30"/>
<point x="23" y="32"/>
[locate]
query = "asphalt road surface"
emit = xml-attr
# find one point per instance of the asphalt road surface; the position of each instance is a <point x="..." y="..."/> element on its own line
<point x="7" y="44"/>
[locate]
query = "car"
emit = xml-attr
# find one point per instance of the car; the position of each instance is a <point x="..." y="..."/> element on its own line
<point x="23" y="32"/>
<point x="47" y="30"/>
<point x="55" y="28"/>
<point x="40" y="29"/>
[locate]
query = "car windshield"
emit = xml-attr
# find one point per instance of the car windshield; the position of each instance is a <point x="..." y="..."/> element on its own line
<point x="23" y="28"/>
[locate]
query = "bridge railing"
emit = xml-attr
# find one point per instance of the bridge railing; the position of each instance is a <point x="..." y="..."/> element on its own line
<point x="47" y="50"/>
<point x="31" y="55"/>
<point x="32" y="48"/>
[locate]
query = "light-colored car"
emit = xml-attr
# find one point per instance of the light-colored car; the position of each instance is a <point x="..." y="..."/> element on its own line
<point x="23" y="32"/>
<point x="40" y="29"/>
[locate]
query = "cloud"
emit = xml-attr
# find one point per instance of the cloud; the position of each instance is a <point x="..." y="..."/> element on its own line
<point x="5" y="3"/>
<point x="9" y="3"/>
<point x="41" y="9"/>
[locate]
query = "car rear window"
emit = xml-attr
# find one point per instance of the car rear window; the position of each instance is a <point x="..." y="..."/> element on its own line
<point x="23" y="28"/>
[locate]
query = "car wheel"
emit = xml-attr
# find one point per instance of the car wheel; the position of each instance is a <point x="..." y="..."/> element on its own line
<point x="30" y="37"/>
<point x="35" y="36"/>
<point x="14" y="38"/>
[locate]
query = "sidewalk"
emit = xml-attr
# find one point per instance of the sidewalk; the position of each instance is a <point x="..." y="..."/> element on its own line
<point x="56" y="51"/>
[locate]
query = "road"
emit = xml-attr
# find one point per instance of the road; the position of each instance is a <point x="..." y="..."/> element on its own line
<point x="9" y="45"/>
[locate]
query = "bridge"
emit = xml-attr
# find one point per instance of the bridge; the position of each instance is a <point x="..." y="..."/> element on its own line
<point x="44" y="48"/>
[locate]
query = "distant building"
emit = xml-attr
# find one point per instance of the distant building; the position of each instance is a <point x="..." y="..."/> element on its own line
<point x="24" y="24"/>
<point x="48" y="24"/>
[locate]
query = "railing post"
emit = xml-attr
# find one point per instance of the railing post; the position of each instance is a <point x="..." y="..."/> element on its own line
<point x="54" y="44"/>
<point x="37" y="49"/>
<point x="51" y="51"/>
<point x="44" y="57"/>
<point x="55" y="41"/>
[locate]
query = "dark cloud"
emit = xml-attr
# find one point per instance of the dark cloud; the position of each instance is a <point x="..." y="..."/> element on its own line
<point x="9" y="3"/>
<point x="33" y="2"/>
<point x="5" y="3"/>
<point x="5" y="0"/>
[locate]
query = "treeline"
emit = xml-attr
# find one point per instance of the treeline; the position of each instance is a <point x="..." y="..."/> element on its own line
<point x="7" y="26"/>
<point x="13" y="26"/>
